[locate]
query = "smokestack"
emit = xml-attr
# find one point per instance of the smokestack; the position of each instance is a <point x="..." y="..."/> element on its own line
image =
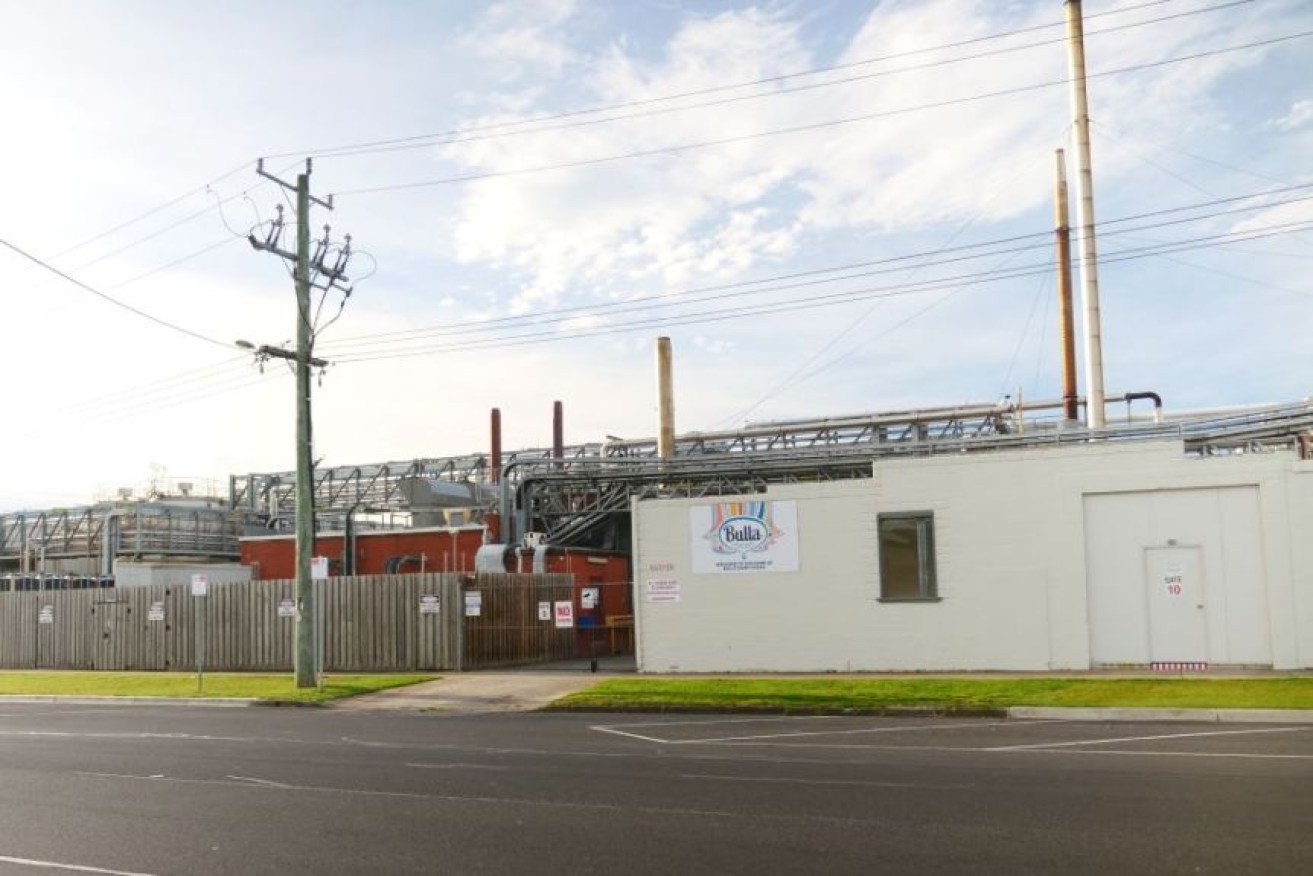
<point x="1089" y="260"/>
<point x="558" y="431"/>
<point x="665" y="400"/>
<point x="1066" y="332"/>
<point x="495" y="462"/>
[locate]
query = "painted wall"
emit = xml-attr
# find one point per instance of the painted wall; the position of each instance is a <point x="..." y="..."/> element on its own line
<point x="130" y="574"/>
<point x="1010" y="533"/>
<point x="444" y="549"/>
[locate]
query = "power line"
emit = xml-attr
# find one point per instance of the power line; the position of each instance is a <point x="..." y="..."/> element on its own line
<point x="474" y="136"/>
<point x="110" y="299"/>
<point x="423" y="140"/>
<point x="828" y="300"/>
<point x="149" y="213"/>
<point x="815" y="126"/>
<point x="913" y="261"/>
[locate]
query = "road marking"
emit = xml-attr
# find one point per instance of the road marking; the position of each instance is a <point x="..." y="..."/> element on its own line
<point x="1110" y="740"/>
<point x="268" y="783"/>
<point x="964" y="725"/>
<point x="784" y="780"/>
<point x="76" y="868"/>
<point x="639" y="736"/>
<point x="761" y="719"/>
<point x="1128" y="751"/>
<point x="458" y="766"/>
<point x="955" y="725"/>
<point x="510" y="801"/>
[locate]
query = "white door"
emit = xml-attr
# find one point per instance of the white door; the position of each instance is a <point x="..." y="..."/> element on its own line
<point x="1178" y="630"/>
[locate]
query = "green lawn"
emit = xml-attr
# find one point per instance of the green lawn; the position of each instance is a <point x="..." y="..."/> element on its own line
<point x="838" y="694"/>
<point x="280" y="687"/>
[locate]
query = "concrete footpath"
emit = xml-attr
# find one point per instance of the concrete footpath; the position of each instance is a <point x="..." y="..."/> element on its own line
<point x="512" y="691"/>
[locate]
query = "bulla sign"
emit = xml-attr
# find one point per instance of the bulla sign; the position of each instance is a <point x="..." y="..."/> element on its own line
<point x="737" y="537"/>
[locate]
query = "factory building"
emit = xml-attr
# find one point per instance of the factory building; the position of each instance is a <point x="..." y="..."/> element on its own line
<point x="1050" y="554"/>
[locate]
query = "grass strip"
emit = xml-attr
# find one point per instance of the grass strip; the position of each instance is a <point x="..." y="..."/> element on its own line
<point x="839" y="694"/>
<point x="269" y="687"/>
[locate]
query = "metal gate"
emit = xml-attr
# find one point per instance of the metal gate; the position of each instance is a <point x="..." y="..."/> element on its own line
<point x="512" y="620"/>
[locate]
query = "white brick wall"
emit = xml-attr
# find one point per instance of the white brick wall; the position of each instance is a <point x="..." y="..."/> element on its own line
<point x="1010" y="557"/>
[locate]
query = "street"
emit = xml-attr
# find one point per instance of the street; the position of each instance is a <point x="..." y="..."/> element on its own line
<point x="181" y="790"/>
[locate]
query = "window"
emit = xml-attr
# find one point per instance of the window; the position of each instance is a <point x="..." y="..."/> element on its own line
<point x="907" y="557"/>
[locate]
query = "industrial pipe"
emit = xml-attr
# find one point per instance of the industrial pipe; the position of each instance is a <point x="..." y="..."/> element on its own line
<point x="1157" y="403"/>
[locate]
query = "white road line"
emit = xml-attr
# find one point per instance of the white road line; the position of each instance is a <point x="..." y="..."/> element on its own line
<point x="760" y="719"/>
<point x="267" y="783"/>
<point x="784" y="780"/>
<point x="957" y="724"/>
<point x="459" y="766"/>
<point x="510" y="801"/>
<point x="857" y="731"/>
<point x="618" y="732"/>
<point x="1080" y="742"/>
<point x="76" y="868"/>
<point x="1128" y="751"/>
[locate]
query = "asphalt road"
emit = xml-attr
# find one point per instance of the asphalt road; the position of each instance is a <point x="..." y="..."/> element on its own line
<point x="177" y="790"/>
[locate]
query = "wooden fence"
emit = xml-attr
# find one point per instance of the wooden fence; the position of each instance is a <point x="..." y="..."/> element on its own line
<point x="373" y="623"/>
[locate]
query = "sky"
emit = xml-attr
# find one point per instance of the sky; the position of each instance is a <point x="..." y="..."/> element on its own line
<point x="831" y="207"/>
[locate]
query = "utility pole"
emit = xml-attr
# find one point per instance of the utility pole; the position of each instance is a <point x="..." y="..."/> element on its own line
<point x="333" y="277"/>
<point x="1089" y="260"/>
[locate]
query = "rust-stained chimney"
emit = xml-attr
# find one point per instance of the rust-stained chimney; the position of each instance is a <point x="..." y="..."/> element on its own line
<point x="558" y="431"/>
<point x="1067" y="334"/>
<point x="495" y="461"/>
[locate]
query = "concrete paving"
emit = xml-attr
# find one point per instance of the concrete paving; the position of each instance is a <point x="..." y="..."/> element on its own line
<point x="512" y="691"/>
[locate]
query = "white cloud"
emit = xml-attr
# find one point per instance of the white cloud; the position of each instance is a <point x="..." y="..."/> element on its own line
<point x="521" y="36"/>
<point x="1300" y="114"/>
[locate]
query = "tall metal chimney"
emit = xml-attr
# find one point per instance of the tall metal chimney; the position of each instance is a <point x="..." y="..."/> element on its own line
<point x="665" y="400"/>
<point x="495" y="461"/>
<point x="1089" y="260"/>
<point x="558" y="431"/>
<point x="1062" y="231"/>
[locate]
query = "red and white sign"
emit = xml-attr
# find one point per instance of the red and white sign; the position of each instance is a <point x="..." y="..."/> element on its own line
<point x="563" y="612"/>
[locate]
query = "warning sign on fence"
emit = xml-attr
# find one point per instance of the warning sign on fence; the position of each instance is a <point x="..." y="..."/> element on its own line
<point x="287" y="608"/>
<point x="564" y="614"/>
<point x="155" y="612"/>
<point x="430" y="604"/>
<point x="473" y="603"/>
<point x="46" y="615"/>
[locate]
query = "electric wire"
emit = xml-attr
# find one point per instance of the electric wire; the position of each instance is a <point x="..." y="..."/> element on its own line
<point x="802" y="279"/>
<point x="425" y="139"/>
<point x="110" y="299"/>
<point x="828" y="300"/>
<point x="473" y="136"/>
<point x="815" y="126"/>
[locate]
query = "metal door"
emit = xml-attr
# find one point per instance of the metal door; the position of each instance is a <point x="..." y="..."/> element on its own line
<point x="1174" y="580"/>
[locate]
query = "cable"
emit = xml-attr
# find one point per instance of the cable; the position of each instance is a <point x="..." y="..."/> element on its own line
<point x="151" y="212"/>
<point x="111" y="300"/>
<point x="832" y="299"/>
<point x="420" y="140"/>
<point x="817" y="276"/>
<point x="1025" y="330"/>
<point x="865" y="117"/>
<point x="467" y="137"/>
